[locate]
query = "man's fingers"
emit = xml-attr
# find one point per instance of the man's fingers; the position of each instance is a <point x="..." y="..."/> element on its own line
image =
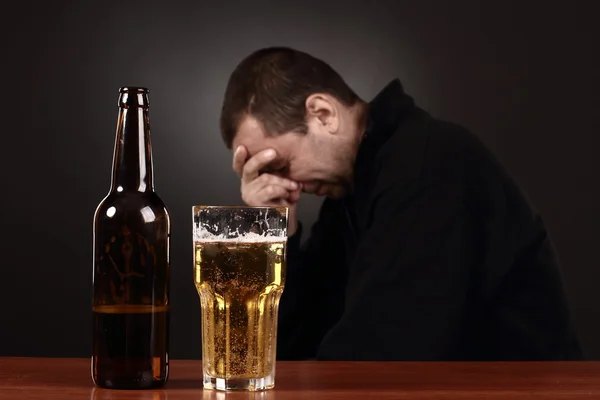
<point x="253" y="166"/>
<point x="262" y="188"/>
<point x="294" y="196"/>
<point x="274" y="192"/>
<point x="239" y="159"/>
<point x="266" y="195"/>
<point x="270" y="179"/>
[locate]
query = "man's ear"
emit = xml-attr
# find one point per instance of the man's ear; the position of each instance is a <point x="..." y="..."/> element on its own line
<point x="322" y="110"/>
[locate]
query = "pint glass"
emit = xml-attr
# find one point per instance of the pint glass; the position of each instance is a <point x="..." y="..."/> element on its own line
<point x="239" y="272"/>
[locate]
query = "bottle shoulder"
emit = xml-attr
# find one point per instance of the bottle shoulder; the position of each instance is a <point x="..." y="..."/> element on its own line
<point x="147" y="206"/>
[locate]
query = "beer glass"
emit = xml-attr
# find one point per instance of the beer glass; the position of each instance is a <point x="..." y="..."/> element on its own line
<point x="239" y="273"/>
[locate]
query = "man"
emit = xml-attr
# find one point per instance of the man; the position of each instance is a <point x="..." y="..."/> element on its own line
<point x="424" y="249"/>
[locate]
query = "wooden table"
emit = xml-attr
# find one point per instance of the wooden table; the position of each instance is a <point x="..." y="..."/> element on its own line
<point x="59" y="378"/>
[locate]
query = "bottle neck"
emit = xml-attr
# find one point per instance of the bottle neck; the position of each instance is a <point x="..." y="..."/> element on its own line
<point x="132" y="161"/>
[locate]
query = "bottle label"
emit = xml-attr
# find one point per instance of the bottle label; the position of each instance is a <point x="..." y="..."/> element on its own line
<point x="132" y="267"/>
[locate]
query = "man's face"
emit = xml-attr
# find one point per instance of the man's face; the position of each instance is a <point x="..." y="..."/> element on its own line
<point x="319" y="160"/>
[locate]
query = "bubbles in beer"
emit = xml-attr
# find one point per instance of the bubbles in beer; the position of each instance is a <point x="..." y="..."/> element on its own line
<point x="240" y="281"/>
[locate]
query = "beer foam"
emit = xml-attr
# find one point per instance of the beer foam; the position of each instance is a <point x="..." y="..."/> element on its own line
<point x="239" y="227"/>
<point x="202" y="235"/>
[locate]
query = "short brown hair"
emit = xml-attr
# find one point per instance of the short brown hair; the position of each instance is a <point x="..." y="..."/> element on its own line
<point x="272" y="85"/>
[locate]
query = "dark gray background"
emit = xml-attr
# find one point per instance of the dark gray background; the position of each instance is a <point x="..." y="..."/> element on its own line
<point x="521" y="75"/>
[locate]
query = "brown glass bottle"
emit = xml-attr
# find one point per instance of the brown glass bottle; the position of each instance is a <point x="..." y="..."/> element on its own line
<point x="131" y="261"/>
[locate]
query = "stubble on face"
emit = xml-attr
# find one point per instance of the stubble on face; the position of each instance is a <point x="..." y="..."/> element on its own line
<point x="336" y="155"/>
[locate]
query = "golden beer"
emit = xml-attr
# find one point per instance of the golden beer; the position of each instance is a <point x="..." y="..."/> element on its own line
<point x="240" y="281"/>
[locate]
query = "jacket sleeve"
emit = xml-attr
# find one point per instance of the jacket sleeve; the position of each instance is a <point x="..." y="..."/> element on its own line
<point x="313" y="291"/>
<point x="408" y="283"/>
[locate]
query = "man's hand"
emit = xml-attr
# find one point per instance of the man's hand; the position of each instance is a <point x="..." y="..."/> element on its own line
<point x="261" y="189"/>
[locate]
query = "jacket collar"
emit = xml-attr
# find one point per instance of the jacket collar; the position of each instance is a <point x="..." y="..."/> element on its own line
<point x="386" y="112"/>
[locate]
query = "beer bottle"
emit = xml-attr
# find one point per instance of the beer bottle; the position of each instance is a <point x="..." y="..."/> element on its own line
<point x="131" y="261"/>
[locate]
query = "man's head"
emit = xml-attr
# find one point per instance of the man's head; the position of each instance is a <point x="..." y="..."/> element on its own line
<point x="299" y="106"/>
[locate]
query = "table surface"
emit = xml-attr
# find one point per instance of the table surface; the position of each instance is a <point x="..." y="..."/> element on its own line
<point x="68" y="378"/>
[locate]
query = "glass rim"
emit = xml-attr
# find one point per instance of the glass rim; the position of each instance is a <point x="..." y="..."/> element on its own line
<point x="201" y="207"/>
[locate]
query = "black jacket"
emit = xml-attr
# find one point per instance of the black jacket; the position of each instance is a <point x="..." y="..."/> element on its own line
<point x="437" y="256"/>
